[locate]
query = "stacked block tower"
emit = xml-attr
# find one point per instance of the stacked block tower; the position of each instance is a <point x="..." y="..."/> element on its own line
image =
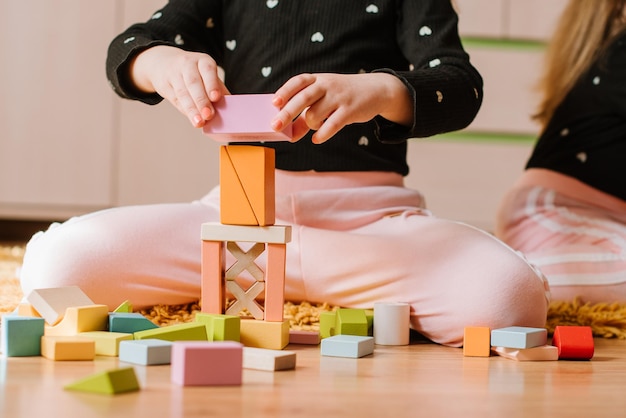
<point x="247" y="216"/>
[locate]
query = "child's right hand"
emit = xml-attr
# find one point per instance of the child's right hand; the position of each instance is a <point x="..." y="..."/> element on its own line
<point x="188" y="80"/>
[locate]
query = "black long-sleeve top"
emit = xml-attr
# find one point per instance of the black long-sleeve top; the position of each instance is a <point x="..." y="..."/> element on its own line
<point x="586" y="137"/>
<point x="262" y="43"/>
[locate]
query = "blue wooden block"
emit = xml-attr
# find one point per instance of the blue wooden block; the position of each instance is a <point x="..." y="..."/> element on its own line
<point x="129" y="323"/>
<point x="146" y="352"/>
<point x="21" y="335"/>
<point x="353" y="346"/>
<point x="519" y="337"/>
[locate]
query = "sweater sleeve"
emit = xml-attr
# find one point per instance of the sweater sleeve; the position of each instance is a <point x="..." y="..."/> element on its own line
<point x="447" y="90"/>
<point x="187" y="24"/>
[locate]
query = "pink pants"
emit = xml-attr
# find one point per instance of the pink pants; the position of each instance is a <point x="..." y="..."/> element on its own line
<point x="575" y="234"/>
<point x="357" y="238"/>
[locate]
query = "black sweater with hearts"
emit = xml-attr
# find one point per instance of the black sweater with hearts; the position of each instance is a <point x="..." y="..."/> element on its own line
<point x="262" y="43"/>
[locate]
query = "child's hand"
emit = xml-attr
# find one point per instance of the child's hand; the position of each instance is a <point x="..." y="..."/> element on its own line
<point x="328" y="102"/>
<point x="188" y="80"/>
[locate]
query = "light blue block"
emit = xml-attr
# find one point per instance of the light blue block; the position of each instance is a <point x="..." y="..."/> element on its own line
<point x="353" y="346"/>
<point x="129" y="323"/>
<point x="21" y="336"/>
<point x="147" y="352"/>
<point x="519" y="337"/>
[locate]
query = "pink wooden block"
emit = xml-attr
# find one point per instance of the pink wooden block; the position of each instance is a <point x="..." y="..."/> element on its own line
<point x="304" y="337"/>
<point x="205" y="363"/>
<point x="212" y="273"/>
<point x="275" y="282"/>
<point x="245" y="118"/>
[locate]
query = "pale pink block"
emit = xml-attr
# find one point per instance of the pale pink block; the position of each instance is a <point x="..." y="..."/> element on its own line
<point x="212" y="277"/>
<point x="245" y="118"/>
<point x="207" y="363"/>
<point x="304" y="337"/>
<point x="275" y="282"/>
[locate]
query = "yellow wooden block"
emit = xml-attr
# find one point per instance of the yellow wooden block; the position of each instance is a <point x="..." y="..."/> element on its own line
<point x="81" y="319"/>
<point x="125" y="306"/>
<point x="107" y="343"/>
<point x="477" y="342"/>
<point x="61" y="348"/>
<point x="247" y="190"/>
<point x="26" y="309"/>
<point x="264" y="334"/>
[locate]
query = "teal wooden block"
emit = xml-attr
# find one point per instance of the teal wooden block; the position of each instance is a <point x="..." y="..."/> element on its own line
<point x="148" y="352"/>
<point x="21" y="336"/>
<point x="353" y="346"/>
<point x="191" y="331"/>
<point x="519" y="337"/>
<point x="128" y="322"/>
<point x="351" y="322"/>
<point x="220" y="327"/>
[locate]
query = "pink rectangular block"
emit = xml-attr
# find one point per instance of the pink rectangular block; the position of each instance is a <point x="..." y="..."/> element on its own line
<point x="245" y="118"/>
<point x="212" y="274"/>
<point x="304" y="337"/>
<point x="275" y="282"/>
<point x="206" y="363"/>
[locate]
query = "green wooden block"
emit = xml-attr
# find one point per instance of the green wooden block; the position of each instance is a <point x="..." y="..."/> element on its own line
<point x="351" y="322"/>
<point x="327" y="324"/>
<point x="369" y="314"/>
<point x="125" y="307"/>
<point x="220" y="327"/>
<point x="110" y="382"/>
<point x="191" y="331"/>
<point x="21" y="336"/>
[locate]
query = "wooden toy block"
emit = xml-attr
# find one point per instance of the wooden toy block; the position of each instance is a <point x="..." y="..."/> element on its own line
<point x="191" y="331"/>
<point x="353" y="346"/>
<point x="26" y="309"/>
<point x="275" y="282"/>
<point x="477" y="342"/>
<point x="351" y="322"/>
<point x="52" y="303"/>
<point x="245" y="118"/>
<point x="327" y="324"/>
<point x="107" y="343"/>
<point x="110" y="382"/>
<point x="304" y="337"/>
<point x="573" y="342"/>
<point x="268" y="360"/>
<point x="212" y="271"/>
<point x="519" y="337"/>
<point x="124" y="307"/>
<point x="67" y="348"/>
<point x="21" y="336"/>
<point x="128" y="322"/>
<point x="271" y="234"/>
<point x="81" y="319"/>
<point x="247" y="193"/>
<point x="147" y="352"/>
<point x="220" y="327"/>
<point x="263" y="334"/>
<point x="541" y="353"/>
<point x="204" y="363"/>
<point x="392" y="323"/>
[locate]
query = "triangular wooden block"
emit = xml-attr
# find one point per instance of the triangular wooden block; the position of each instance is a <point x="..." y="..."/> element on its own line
<point x="125" y="307"/>
<point x="110" y="382"/>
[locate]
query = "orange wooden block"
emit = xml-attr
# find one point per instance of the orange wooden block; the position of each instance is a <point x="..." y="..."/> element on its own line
<point x="477" y="342"/>
<point x="247" y="194"/>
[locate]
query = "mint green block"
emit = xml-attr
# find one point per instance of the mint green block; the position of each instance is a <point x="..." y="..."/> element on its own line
<point x="221" y="327"/>
<point x="191" y="331"/>
<point x="21" y="336"/>
<point x="351" y="322"/>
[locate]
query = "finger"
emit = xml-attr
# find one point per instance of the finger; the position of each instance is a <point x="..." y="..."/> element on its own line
<point x="299" y="129"/>
<point x="201" y="105"/>
<point x="291" y="88"/>
<point x="184" y="103"/>
<point x="329" y="128"/>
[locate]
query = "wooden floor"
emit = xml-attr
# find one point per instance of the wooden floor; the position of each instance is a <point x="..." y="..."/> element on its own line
<point x="419" y="380"/>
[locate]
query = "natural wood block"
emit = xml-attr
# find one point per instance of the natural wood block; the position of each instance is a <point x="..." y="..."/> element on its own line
<point x="220" y="327"/>
<point x="110" y="382"/>
<point x="107" y="343"/>
<point x="52" y="303"/>
<point x="272" y="234"/>
<point x="196" y="363"/>
<point x="245" y="118"/>
<point x="60" y="348"/>
<point x="21" y="336"/>
<point x="191" y="331"/>
<point x="541" y="353"/>
<point x="573" y="342"/>
<point x="477" y="342"/>
<point x="147" y="352"/>
<point x="392" y="323"/>
<point x="519" y="337"/>
<point x="247" y="193"/>
<point x="268" y="360"/>
<point x="81" y="319"/>
<point x="263" y="334"/>
<point x="353" y="346"/>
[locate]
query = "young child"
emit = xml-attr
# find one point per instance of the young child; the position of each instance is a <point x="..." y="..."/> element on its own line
<point x="567" y="212"/>
<point x="356" y="79"/>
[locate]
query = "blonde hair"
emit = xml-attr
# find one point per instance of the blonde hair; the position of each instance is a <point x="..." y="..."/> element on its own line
<point x="583" y="32"/>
